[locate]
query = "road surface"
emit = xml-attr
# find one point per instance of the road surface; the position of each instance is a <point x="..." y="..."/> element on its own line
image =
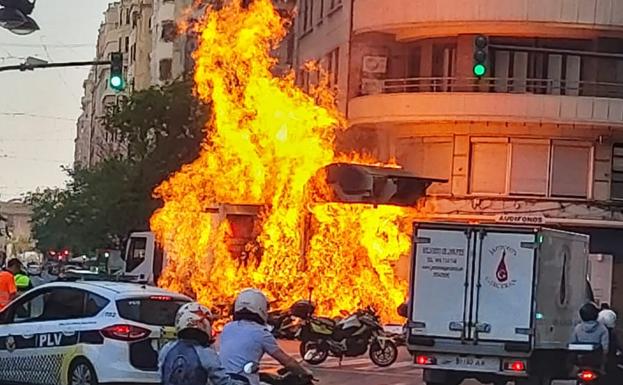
<point x="357" y="371"/>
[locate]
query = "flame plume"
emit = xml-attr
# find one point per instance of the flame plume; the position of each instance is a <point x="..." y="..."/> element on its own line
<point x="265" y="142"/>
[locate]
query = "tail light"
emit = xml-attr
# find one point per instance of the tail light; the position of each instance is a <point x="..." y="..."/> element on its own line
<point x="517" y="366"/>
<point x="587" y="375"/>
<point x="125" y="332"/>
<point x="421" y="359"/>
<point x="161" y="298"/>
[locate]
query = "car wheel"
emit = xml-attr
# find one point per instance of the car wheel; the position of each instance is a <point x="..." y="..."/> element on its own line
<point x="81" y="372"/>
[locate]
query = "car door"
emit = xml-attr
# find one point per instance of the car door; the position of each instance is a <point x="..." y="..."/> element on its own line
<point x="36" y="340"/>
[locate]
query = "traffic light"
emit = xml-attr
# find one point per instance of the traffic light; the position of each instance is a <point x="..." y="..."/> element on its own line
<point x="481" y="56"/>
<point x="117" y="82"/>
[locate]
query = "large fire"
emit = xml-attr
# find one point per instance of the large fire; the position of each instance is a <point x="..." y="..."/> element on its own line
<point x="265" y="142"/>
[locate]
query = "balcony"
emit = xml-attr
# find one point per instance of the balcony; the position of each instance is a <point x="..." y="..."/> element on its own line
<point x="406" y="100"/>
<point x="406" y="18"/>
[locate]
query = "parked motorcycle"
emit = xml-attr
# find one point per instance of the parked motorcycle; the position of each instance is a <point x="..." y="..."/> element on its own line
<point x="283" y="324"/>
<point x="352" y="336"/>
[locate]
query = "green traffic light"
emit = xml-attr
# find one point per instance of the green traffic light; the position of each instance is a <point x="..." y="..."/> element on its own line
<point x="116" y="82"/>
<point x="480" y="70"/>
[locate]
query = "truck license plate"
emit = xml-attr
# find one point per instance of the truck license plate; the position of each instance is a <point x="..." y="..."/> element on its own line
<point x="470" y="361"/>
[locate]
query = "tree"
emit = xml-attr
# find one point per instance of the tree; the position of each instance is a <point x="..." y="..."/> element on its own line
<point x="161" y="129"/>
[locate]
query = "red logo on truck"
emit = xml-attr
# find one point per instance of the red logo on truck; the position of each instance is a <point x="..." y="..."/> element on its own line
<point x="498" y="274"/>
<point x="502" y="272"/>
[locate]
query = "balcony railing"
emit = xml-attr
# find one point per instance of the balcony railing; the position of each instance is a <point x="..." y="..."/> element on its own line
<point x="493" y="85"/>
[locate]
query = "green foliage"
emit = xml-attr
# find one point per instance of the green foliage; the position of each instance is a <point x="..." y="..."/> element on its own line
<point x="161" y="129"/>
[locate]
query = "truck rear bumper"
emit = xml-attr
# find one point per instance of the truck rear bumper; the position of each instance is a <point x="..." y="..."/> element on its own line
<point x="513" y="367"/>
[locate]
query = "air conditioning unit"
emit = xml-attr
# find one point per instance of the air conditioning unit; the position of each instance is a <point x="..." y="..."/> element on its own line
<point x="375" y="64"/>
<point x="371" y="86"/>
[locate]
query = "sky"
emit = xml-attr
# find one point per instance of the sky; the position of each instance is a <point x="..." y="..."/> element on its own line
<point x="39" y="109"/>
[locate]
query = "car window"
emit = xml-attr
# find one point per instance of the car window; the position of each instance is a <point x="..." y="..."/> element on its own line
<point x="31" y="309"/>
<point x="63" y="303"/>
<point x="94" y="304"/>
<point x="152" y="311"/>
<point x="52" y="304"/>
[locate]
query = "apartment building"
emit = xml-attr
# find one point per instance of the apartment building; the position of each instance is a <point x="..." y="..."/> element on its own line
<point x="537" y="140"/>
<point x="92" y="141"/>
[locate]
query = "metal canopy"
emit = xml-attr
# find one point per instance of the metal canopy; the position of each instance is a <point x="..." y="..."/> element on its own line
<point x="356" y="183"/>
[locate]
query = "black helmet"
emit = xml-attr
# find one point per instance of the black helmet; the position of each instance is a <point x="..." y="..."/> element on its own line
<point x="589" y="312"/>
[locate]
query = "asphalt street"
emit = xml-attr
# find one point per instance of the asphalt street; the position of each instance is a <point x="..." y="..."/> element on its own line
<point x="361" y="371"/>
<point x="358" y="370"/>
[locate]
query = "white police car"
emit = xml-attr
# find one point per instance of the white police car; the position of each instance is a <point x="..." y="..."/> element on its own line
<point x="86" y="333"/>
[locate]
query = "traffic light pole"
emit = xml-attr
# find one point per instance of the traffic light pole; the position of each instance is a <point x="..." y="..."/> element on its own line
<point x="29" y="67"/>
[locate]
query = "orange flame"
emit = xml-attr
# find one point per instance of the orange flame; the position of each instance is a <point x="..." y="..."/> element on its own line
<point x="266" y="141"/>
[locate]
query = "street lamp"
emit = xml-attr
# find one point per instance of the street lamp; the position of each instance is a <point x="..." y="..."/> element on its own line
<point x="14" y="16"/>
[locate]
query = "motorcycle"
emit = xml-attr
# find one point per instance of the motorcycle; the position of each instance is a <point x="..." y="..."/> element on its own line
<point x="352" y="336"/>
<point x="282" y="377"/>
<point x="283" y="324"/>
<point x="588" y="364"/>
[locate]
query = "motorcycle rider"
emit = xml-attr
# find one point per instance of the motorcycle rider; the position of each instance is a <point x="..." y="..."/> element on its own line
<point x="191" y="360"/>
<point x="609" y="318"/>
<point x="246" y="339"/>
<point x="590" y="331"/>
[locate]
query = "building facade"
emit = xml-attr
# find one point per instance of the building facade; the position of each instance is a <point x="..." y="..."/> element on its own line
<point x="93" y="142"/>
<point x="537" y="140"/>
<point x="15" y="229"/>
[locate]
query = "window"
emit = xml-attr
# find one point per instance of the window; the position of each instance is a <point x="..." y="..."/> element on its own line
<point x="428" y="157"/>
<point x="169" y="31"/>
<point x="166" y="69"/>
<point x="94" y="304"/>
<point x="570" y="170"/>
<point x="126" y="46"/>
<point x="150" y="311"/>
<point x="53" y="304"/>
<point x="333" y="66"/>
<point x="133" y="53"/>
<point x="127" y="17"/>
<point x="321" y="11"/>
<point x="136" y="253"/>
<point x="489" y="158"/>
<point x="529" y="167"/>
<point x="616" y="188"/>
<point x="307" y="15"/>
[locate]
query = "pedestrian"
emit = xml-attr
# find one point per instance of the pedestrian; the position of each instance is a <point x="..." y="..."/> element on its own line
<point x="604" y="306"/>
<point x="592" y="332"/>
<point x="22" y="280"/>
<point x="8" y="289"/>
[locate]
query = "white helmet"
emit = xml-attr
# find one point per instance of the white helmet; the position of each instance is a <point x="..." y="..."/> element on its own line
<point x="253" y="301"/>
<point x="194" y="315"/>
<point x="608" y="318"/>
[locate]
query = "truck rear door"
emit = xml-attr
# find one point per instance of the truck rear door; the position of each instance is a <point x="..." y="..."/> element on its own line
<point x="440" y="277"/>
<point x="504" y="285"/>
<point x="473" y="283"/>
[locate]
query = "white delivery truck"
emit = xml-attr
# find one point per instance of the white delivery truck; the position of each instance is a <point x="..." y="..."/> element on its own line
<point x="494" y="303"/>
